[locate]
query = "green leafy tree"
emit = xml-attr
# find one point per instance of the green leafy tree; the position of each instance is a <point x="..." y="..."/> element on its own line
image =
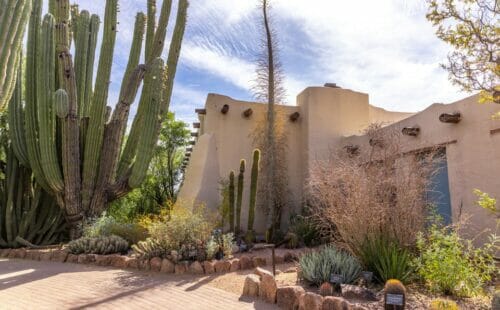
<point x="471" y="27"/>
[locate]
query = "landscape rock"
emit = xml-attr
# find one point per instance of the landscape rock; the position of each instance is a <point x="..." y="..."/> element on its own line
<point x="144" y="264"/>
<point x="4" y="253"/>
<point x="59" y="256"/>
<point x="278" y="259"/>
<point x="291" y="270"/>
<point x="118" y="261"/>
<point x="245" y="262"/>
<point x="209" y="267"/>
<point x="33" y="254"/>
<point x="287" y="296"/>
<point x="290" y="257"/>
<point x="311" y="301"/>
<point x="45" y="256"/>
<point x="235" y="265"/>
<point x="258" y="261"/>
<point x="251" y="286"/>
<point x="235" y="249"/>
<point x="222" y="266"/>
<point x="72" y="258"/>
<point x="167" y="266"/>
<point x="196" y="268"/>
<point x="20" y="253"/>
<point x="84" y="258"/>
<point x="102" y="260"/>
<point x="155" y="263"/>
<point x="181" y="268"/>
<point x="261" y="271"/>
<point x="268" y="287"/>
<point x="132" y="263"/>
<point x="335" y="303"/>
<point x="357" y="292"/>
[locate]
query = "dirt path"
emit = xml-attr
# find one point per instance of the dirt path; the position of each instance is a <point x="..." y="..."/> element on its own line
<point x="48" y="285"/>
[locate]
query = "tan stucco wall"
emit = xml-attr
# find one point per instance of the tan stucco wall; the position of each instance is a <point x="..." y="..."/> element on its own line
<point x="331" y="117"/>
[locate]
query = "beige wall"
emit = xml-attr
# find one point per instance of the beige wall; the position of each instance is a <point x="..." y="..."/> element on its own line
<point x="332" y="117"/>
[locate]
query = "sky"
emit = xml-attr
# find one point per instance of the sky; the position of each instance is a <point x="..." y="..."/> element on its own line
<point x="385" y="48"/>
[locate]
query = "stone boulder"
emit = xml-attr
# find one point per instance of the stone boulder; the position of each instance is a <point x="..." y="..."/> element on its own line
<point x="290" y="257"/>
<point x="261" y="271"/>
<point x="102" y="260"/>
<point x="46" y="255"/>
<point x="335" y="303"/>
<point x="251" y="286"/>
<point x="235" y="265"/>
<point x="222" y="266"/>
<point x="287" y="296"/>
<point x="132" y="263"/>
<point x="155" y="263"/>
<point x="118" y="261"/>
<point x="33" y="254"/>
<point x="258" y="261"/>
<point x="144" y="264"/>
<point x="209" y="267"/>
<point x="196" y="268"/>
<point x="72" y="258"/>
<point x="245" y="262"/>
<point x="268" y="287"/>
<point x="357" y="292"/>
<point x="59" y="256"/>
<point x="4" y="253"/>
<point x="310" y="301"/>
<point x="167" y="266"/>
<point x="181" y="268"/>
<point x="86" y="258"/>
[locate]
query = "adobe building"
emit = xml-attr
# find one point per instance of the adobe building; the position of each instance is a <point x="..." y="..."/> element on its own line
<point x="329" y="117"/>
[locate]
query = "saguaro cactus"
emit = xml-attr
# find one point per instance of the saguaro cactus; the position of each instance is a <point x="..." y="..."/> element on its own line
<point x="13" y="19"/>
<point x="231" y="201"/>
<point x="239" y="196"/>
<point x="253" y="189"/>
<point x="71" y="140"/>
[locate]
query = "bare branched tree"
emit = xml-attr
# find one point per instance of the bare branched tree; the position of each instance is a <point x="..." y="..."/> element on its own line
<point x="269" y="89"/>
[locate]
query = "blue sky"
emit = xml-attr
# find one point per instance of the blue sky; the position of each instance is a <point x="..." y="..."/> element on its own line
<point x="385" y="48"/>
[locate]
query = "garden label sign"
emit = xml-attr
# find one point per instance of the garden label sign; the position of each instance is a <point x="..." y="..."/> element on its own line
<point x="394" y="299"/>
<point x="336" y="278"/>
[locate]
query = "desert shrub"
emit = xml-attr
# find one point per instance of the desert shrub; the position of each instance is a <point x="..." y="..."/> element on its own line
<point x="386" y="259"/>
<point x="98" y="245"/>
<point x="451" y="265"/>
<point x="107" y="226"/>
<point x="378" y="189"/>
<point x="316" y="267"/>
<point x="184" y="230"/>
<point x="443" y="304"/>
<point x="305" y="230"/>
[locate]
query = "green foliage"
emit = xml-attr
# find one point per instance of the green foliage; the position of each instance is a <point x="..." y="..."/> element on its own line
<point x="98" y="245"/>
<point x="224" y="206"/>
<point x="450" y="265"/>
<point x="443" y="304"/>
<point x="184" y="230"/>
<point x="212" y="247"/>
<point x="316" y="267"/>
<point x="386" y="259"/>
<point x="107" y="226"/>
<point x="486" y="202"/>
<point x="253" y="189"/>
<point x="305" y="230"/>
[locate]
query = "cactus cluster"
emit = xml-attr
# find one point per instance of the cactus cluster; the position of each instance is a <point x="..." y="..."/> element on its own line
<point x="13" y="19"/>
<point x="99" y="245"/>
<point x="149" y="248"/>
<point x="65" y="133"/>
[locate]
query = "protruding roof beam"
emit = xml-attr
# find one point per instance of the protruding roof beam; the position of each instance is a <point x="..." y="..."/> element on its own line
<point x="411" y="131"/>
<point x="294" y="116"/>
<point x="452" y="118"/>
<point x="201" y="111"/>
<point x="194" y="134"/>
<point x="352" y="149"/>
<point x="196" y="125"/>
<point x="225" y="109"/>
<point x="248" y="112"/>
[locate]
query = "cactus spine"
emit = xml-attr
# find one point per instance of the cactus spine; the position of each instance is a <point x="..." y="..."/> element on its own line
<point x="82" y="171"/>
<point x="253" y="189"/>
<point x="239" y="196"/>
<point x="13" y="19"/>
<point x="231" y="201"/>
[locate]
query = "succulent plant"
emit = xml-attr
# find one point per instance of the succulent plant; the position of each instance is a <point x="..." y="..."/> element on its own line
<point x="394" y="287"/>
<point x="253" y="190"/>
<point x="239" y="196"/>
<point x="148" y="249"/>
<point x="99" y="245"/>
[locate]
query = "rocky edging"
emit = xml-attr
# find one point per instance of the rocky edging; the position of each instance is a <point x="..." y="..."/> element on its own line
<point x="263" y="285"/>
<point x="155" y="264"/>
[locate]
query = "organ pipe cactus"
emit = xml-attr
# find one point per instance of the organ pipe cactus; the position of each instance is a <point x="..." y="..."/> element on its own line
<point x="239" y="195"/>
<point x="253" y="189"/>
<point x="71" y="139"/>
<point x="14" y="16"/>
<point x="231" y="201"/>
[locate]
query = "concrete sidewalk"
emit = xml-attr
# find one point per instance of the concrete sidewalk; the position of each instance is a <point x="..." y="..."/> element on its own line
<point x="28" y="284"/>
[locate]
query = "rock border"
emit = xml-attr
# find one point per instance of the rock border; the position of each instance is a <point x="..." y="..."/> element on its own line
<point x="155" y="264"/>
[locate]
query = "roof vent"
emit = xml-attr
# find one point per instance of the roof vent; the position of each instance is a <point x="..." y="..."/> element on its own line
<point x="331" y="85"/>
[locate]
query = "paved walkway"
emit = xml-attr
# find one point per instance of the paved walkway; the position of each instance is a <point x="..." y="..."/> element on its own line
<point x="37" y="285"/>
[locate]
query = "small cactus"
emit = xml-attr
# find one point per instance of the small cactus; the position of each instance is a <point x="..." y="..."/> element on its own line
<point x="99" y="245"/>
<point x="253" y="189"/>
<point x="326" y="289"/>
<point x="292" y="240"/>
<point x="443" y="304"/>
<point x="239" y="196"/>
<point x="394" y="287"/>
<point x="231" y="201"/>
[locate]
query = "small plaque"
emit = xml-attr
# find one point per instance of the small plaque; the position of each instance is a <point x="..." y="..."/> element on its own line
<point x="336" y="278"/>
<point x="192" y="253"/>
<point x="367" y="276"/>
<point x="394" y="299"/>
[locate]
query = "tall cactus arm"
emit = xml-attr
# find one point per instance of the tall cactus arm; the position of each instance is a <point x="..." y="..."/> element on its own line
<point x="150" y="31"/>
<point x="253" y="189"/>
<point x="46" y="115"/>
<point x="231" y="201"/>
<point x="70" y="127"/>
<point x="16" y="122"/>
<point x="95" y="131"/>
<point x="13" y="20"/>
<point x="153" y="81"/>
<point x="239" y="195"/>
<point x="89" y="75"/>
<point x="161" y="30"/>
<point x="31" y="110"/>
<point x="81" y="56"/>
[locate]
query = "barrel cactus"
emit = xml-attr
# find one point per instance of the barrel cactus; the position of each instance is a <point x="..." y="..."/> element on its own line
<point x="394" y="287"/>
<point x="70" y="139"/>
